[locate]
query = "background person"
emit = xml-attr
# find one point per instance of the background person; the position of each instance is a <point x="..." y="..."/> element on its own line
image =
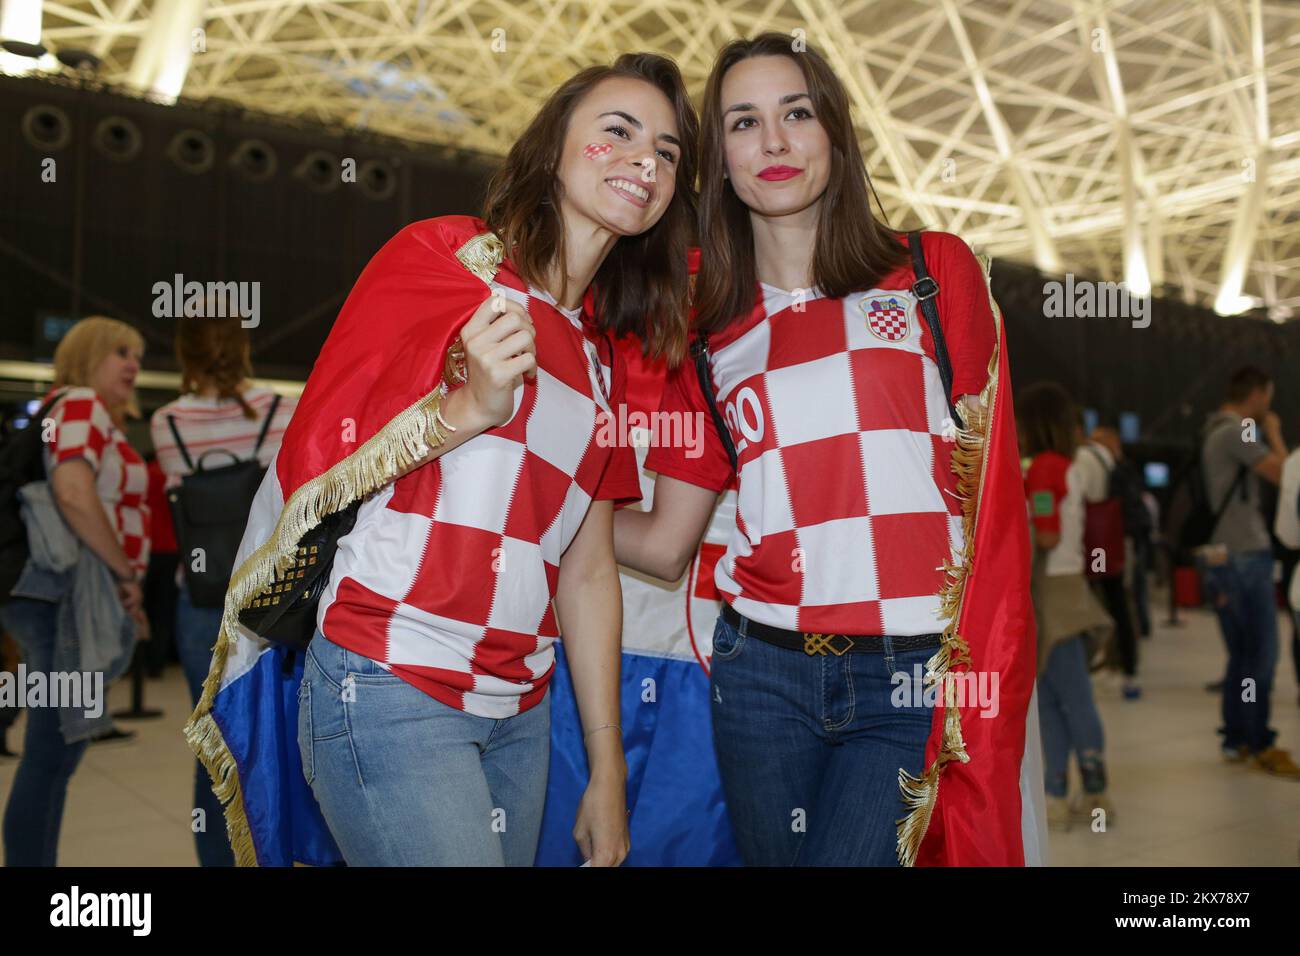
<point x="219" y="409"/>
<point x="98" y="482"/>
<point x="1067" y="613"/>
<point x="1242" y="445"/>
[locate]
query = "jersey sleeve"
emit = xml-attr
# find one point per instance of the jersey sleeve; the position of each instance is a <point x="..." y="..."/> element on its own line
<point x="701" y="458"/>
<point x="621" y="481"/>
<point x="1045" y="487"/>
<point x="964" y="310"/>
<point x="82" y="428"/>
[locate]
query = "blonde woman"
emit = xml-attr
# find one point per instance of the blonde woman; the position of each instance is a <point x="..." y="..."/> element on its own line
<point x="98" y="482"/>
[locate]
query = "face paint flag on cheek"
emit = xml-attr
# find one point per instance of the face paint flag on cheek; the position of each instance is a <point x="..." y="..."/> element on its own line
<point x="596" y="150"/>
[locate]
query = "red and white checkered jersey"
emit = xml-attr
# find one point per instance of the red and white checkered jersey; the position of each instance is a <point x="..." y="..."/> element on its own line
<point x="448" y="576"/>
<point x="846" y="507"/>
<point x="218" y="424"/>
<point x="83" y="428"/>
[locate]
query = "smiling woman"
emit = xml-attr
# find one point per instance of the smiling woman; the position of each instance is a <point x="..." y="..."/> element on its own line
<point x="473" y="366"/>
<point x="611" y="151"/>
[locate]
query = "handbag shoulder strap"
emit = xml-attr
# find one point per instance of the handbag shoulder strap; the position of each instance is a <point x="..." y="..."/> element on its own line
<point x="926" y="289"/>
<point x="180" y="445"/>
<point x="700" y="356"/>
<point x="1107" y="469"/>
<point x="1223" y="505"/>
<point x="1217" y="514"/>
<point x="266" y="425"/>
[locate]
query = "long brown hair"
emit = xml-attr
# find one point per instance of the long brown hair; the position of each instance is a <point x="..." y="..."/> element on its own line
<point x="1048" y="420"/>
<point x="641" y="287"/>
<point x="214" y="353"/>
<point x="854" y="249"/>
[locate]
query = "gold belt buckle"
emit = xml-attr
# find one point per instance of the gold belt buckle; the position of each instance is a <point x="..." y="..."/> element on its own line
<point x="821" y="643"/>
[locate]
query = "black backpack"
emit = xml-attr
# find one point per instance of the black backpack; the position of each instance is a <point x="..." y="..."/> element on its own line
<point x="21" y="462"/>
<point x="209" y="511"/>
<point x="1126" y="485"/>
<point x="1193" y="517"/>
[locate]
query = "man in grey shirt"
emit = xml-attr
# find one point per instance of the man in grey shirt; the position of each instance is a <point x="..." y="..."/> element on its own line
<point x="1242" y="443"/>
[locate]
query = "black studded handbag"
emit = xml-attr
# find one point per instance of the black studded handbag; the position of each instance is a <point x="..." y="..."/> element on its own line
<point x="285" y="611"/>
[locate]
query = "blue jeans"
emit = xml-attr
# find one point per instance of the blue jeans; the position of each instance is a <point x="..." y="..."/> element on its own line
<point x="1068" y="715"/>
<point x="403" y="779"/>
<point x="197" y="629"/>
<point x="809" y="749"/>
<point x="34" y="813"/>
<point x="1241" y="593"/>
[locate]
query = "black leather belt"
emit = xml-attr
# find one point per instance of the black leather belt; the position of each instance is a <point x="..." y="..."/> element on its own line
<point x="837" y="644"/>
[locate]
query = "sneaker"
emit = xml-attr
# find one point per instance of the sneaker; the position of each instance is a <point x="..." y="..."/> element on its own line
<point x="115" y="736"/>
<point x="1085" y="804"/>
<point x="1058" y="813"/>
<point x="1132" y="691"/>
<point x="1278" y="763"/>
<point x="1237" y="754"/>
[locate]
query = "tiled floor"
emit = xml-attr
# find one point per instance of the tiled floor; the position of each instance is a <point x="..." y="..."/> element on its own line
<point x="1176" y="803"/>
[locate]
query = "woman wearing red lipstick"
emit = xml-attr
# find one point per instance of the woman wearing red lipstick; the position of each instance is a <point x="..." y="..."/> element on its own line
<point x="825" y="374"/>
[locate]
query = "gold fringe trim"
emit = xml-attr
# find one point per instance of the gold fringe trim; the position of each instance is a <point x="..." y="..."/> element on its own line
<point x="969" y="461"/>
<point x="408" y="437"/>
<point x="482" y="255"/>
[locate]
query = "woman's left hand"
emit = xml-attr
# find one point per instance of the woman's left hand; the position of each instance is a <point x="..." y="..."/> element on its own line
<point x="601" y="827"/>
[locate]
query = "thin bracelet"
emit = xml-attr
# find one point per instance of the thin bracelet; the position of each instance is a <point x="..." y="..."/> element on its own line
<point x="443" y="422"/>
<point x="601" y="727"/>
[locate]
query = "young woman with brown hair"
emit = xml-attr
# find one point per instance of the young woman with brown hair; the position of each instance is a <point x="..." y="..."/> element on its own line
<point x="1067" y="613"/>
<point x="459" y="398"/>
<point x="827" y="379"/>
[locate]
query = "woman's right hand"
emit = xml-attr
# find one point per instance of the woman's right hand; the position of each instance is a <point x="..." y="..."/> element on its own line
<point x="500" y="349"/>
<point x="131" y="595"/>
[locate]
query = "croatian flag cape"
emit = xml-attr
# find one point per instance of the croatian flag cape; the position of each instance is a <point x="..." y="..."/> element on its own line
<point x="367" y="412"/>
<point x="978" y="802"/>
<point x="677" y="812"/>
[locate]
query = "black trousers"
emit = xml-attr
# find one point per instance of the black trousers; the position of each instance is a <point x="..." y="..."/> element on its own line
<point x="1114" y="596"/>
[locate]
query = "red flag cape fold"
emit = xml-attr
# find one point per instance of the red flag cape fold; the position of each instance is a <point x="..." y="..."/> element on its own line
<point x="388" y="346"/>
<point x="367" y="412"/>
<point x="965" y="809"/>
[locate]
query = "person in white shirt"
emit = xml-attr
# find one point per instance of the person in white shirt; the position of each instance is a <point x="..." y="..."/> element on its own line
<point x="1287" y="528"/>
